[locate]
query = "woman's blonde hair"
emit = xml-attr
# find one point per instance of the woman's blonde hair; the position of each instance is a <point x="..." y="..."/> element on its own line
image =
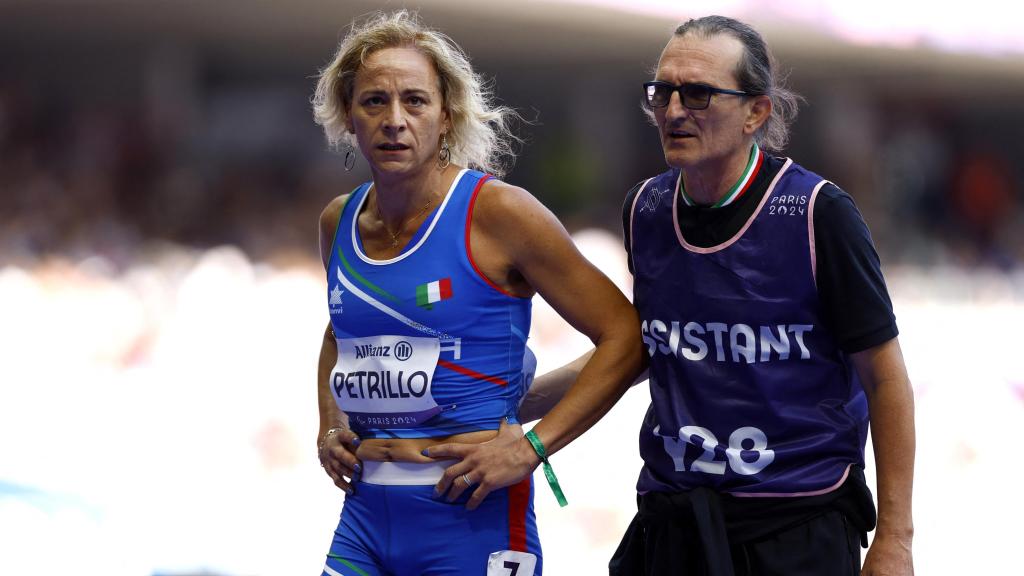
<point x="480" y="135"/>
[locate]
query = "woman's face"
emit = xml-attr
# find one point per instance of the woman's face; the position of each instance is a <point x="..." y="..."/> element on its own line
<point x="397" y="113"/>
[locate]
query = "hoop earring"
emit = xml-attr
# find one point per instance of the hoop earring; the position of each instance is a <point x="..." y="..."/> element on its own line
<point x="444" y="157"/>
<point x="350" y="159"/>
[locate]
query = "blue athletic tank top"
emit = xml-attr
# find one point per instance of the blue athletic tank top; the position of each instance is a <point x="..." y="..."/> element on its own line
<point x="750" y="393"/>
<point x="427" y="346"/>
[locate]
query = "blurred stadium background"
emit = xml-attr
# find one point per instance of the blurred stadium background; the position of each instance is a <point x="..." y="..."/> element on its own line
<point x="161" y="297"/>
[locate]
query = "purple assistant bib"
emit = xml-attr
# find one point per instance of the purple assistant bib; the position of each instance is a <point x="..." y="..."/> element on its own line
<point x="750" y="393"/>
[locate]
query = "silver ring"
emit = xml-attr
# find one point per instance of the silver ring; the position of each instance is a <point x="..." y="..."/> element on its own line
<point x="465" y="478"/>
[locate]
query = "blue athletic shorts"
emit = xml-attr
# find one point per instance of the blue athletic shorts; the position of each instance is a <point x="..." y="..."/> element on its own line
<point x="401" y="530"/>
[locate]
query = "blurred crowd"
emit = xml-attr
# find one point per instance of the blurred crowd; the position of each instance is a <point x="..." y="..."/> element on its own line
<point x="177" y="158"/>
<point x="942" y="188"/>
<point x="79" y="179"/>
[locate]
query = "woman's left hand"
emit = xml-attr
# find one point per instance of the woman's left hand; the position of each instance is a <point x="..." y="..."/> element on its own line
<point x="502" y="461"/>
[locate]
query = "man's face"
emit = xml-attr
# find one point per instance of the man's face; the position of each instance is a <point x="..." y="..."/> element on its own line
<point x="698" y="138"/>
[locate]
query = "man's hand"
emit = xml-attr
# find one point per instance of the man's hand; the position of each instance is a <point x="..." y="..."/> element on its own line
<point x="338" y="457"/>
<point x="500" y="462"/>
<point x="889" y="556"/>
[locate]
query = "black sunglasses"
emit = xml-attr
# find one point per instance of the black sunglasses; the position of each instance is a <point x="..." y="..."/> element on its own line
<point x="657" y="94"/>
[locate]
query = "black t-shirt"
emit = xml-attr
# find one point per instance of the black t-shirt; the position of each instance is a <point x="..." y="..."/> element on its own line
<point x="855" y="301"/>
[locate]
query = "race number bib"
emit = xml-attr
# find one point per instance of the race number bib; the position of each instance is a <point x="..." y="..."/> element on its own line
<point x="747" y="453"/>
<point x="385" y="381"/>
<point x="511" y="563"/>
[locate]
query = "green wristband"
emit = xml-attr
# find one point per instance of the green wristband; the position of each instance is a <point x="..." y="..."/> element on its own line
<point x="549" y="472"/>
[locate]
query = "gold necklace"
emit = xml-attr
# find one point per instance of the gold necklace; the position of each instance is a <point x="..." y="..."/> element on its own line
<point x="395" y="235"/>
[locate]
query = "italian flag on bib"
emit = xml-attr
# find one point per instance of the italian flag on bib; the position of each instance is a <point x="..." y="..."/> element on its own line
<point x="427" y="294"/>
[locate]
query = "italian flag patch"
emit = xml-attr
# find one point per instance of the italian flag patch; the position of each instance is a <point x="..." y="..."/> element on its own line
<point x="427" y="294"/>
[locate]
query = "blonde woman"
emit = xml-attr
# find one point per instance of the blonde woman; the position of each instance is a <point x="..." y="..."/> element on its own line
<point x="431" y="267"/>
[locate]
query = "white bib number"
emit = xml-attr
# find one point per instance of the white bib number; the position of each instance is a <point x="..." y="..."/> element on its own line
<point x="707" y="442"/>
<point x="511" y="563"/>
<point x="385" y="381"/>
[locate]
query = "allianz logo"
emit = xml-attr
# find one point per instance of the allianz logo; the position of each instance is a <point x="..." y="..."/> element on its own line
<point x="402" y="351"/>
<point x="370" y="351"/>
